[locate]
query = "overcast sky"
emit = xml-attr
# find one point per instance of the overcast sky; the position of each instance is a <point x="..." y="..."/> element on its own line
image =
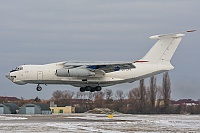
<point x="46" y="31"/>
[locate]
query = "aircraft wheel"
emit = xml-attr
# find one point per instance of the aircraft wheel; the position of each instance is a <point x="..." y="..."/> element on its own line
<point x="82" y="89"/>
<point x="88" y="88"/>
<point x="39" y="88"/>
<point x="98" y="88"/>
<point x="92" y="90"/>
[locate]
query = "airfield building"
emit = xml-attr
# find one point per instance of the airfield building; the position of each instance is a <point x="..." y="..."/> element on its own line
<point x="62" y="110"/>
<point x="8" y="108"/>
<point x="36" y="108"/>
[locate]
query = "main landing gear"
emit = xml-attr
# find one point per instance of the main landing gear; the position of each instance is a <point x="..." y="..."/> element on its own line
<point x="91" y="89"/>
<point x="39" y="88"/>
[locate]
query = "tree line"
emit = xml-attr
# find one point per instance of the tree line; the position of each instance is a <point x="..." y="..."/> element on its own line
<point x="152" y="99"/>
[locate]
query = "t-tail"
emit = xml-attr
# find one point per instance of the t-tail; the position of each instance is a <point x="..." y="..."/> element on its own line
<point x="164" y="48"/>
<point x="160" y="55"/>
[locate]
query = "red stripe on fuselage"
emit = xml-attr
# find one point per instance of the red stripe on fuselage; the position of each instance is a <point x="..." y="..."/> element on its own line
<point x="141" y="61"/>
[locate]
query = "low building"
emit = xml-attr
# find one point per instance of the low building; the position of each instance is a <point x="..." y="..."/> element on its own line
<point x="63" y="110"/>
<point x="5" y="99"/>
<point x="36" y="108"/>
<point x="185" y="102"/>
<point x="9" y="108"/>
<point x="8" y="99"/>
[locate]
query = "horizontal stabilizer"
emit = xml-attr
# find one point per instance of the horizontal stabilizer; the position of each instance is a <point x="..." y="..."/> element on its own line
<point x="164" y="36"/>
<point x="164" y="48"/>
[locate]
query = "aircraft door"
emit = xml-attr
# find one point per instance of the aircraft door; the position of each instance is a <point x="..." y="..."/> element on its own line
<point x="39" y="75"/>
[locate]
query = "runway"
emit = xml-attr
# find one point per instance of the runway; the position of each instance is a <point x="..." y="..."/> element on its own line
<point x="92" y="123"/>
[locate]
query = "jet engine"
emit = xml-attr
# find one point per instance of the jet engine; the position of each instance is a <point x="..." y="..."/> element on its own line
<point x="76" y="72"/>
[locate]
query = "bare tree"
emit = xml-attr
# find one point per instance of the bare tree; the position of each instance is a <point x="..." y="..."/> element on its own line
<point x="85" y="95"/>
<point x="57" y="95"/>
<point x="134" y="99"/>
<point x="159" y="95"/>
<point x="67" y="94"/>
<point x="78" y="95"/>
<point x="91" y="96"/>
<point x="120" y="95"/>
<point x="119" y="103"/>
<point x="153" y="91"/>
<point x="108" y="94"/>
<point x="166" y="89"/>
<point x="134" y="94"/>
<point x="142" y="96"/>
<point x="99" y="99"/>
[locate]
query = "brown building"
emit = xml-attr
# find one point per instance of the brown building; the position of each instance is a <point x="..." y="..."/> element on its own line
<point x="185" y="102"/>
<point x="5" y="99"/>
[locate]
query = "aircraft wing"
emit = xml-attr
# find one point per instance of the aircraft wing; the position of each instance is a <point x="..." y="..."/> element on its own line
<point x="100" y="66"/>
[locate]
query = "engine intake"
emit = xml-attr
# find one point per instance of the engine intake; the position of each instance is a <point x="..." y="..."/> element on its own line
<point x="74" y="72"/>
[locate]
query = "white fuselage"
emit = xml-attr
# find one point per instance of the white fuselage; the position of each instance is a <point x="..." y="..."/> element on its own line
<point x="46" y="74"/>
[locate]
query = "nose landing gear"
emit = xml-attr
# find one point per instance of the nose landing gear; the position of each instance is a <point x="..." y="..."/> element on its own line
<point x="39" y="88"/>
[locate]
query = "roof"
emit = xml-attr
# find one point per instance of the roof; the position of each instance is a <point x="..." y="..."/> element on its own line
<point x="13" y="107"/>
<point x="185" y="101"/>
<point x="8" y="98"/>
<point x="2" y="105"/>
<point x="43" y="106"/>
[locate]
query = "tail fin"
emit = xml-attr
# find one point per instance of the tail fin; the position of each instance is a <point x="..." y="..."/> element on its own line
<point x="164" y="48"/>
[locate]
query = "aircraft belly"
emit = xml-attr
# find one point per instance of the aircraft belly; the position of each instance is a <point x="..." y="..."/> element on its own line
<point x="93" y="82"/>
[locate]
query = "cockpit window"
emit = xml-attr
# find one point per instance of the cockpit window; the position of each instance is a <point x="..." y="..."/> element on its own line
<point x="17" y="69"/>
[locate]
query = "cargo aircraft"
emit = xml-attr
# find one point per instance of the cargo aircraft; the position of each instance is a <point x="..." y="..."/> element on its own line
<point x="92" y="76"/>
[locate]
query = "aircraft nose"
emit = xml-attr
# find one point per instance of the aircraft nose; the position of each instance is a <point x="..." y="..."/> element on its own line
<point x="8" y="76"/>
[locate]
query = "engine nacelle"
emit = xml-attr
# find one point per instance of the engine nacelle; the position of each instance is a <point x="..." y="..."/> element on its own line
<point x="76" y="72"/>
